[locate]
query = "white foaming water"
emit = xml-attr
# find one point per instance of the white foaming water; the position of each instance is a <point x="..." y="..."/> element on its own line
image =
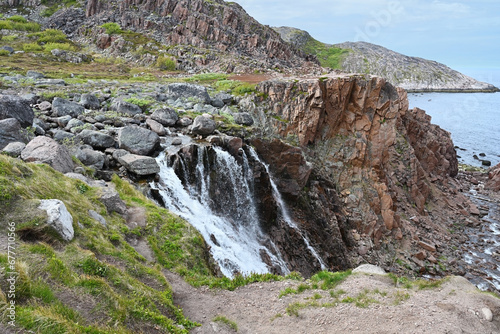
<point x="284" y="210"/>
<point x="236" y="241"/>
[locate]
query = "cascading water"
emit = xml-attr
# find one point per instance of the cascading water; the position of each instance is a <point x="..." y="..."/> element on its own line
<point x="218" y="201"/>
<point x="284" y="211"/>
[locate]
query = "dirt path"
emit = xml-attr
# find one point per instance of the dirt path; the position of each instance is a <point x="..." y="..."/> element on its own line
<point x="455" y="307"/>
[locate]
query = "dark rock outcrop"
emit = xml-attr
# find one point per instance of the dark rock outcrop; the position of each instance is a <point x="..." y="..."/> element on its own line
<point x="165" y="116"/>
<point x="203" y="126"/>
<point x="12" y="106"/>
<point x="63" y="107"/>
<point x="10" y="132"/>
<point x="139" y="164"/>
<point x="138" y="140"/>
<point x="96" y="139"/>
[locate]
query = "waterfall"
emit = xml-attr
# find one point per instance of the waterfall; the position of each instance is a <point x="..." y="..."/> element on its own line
<point x="220" y="204"/>
<point x="284" y="210"/>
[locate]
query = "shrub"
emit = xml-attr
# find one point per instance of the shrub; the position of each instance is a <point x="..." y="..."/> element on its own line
<point x="17" y="18"/>
<point x="112" y="28"/>
<point x="144" y="104"/>
<point x="9" y="38"/>
<point x="60" y="46"/>
<point x="166" y="63"/>
<point x="4" y="53"/>
<point x="32" y="47"/>
<point x="20" y="26"/>
<point x="51" y="36"/>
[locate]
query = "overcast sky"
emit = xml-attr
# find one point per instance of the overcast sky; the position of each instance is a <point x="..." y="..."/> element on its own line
<point x="458" y="33"/>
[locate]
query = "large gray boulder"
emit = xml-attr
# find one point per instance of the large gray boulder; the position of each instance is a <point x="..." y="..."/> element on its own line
<point x="47" y="150"/>
<point x="62" y="107"/>
<point x="12" y="106"/>
<point x="138" y="140"/>
<point x="14" y="149"/>
<point x="165" y="116"/>
<point x="139" y="164"/>
<point x="184" y="90"/>
<point x="96" y="139"/>
<point x="112" y="201"/>
<point x="156" y="127"/>
<point x="243" y="118"/>
<point x="203" y="126"/>
<point x="10" y="132"/>
<point x="58" y="218"/>
<point x="90" y="101"/>
<point x="62" y="136"/>
<point x="127" y="108"/>
<point x="91" y="158"/>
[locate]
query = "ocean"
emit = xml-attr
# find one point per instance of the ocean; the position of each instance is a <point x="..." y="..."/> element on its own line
<point x="473" y="119"/>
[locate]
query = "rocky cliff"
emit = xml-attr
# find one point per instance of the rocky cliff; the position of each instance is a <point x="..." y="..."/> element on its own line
<point x="410" y="73"/>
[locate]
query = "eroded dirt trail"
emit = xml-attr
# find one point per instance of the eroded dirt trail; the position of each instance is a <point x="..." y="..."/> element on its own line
<point x="376" y="306"/>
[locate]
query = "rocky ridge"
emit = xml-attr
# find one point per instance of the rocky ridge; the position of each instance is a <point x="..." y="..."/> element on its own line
<point x="411" y="73"/>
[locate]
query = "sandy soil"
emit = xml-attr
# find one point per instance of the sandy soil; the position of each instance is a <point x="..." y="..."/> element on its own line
<point x="455" y="307"/>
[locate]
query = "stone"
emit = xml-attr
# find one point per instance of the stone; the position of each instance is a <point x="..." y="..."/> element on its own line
<point x="72" y="124"/>
<point x="156" y="127"/>
<point x="177" y="141"/>
<point x="90" y="101"/>
<point x="139" y="164"/>
<point x="63" y="121"/>
<point x="124" y="107"/>
<point x="203" y="126"/>
<point x="58" y="218"/>
<point x="473" y="210"/>
<point x="487" y="314"/>
<point x="217" y="103"/>
<point x="165" y="116"/>
<point x="119" y="153"/>
<point x="486" y="163"/>
<point x="421" y="255"/>
<point x="37" y="122"/>
<point x="91" y="158"/>
<point x="96" y="139"/>
<point x="185" y="121"/>
<point x="112" y="201"/>
<point x="35" y="74"/>
<point x="63" y="107"/>
<point x="46" y="150"/>
<point x="10" y="132"/>
<point x="138" y="140"/>
<point x="44" y="105"/>
<point x="12" y="106"/>
<point x="7" y="48"/>
<point x="14" y="149"/>
<point x="62" y="136"/>
<point x="55" y="82"/>
<point x="493" y="182"/>
<point x="369" y="269"/>
<point x="94" y="215"/>
<point x="186" y="91"/>
<point x="243" y="118"/>
<point x="224" y="97"/>
<point x="427" y="246"/>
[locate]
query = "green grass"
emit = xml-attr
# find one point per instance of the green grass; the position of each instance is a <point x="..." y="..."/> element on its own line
<point x="112" y="28"/>
<point x="225" y="320"/>
<point x="19" y="26"/>
<point x="143" y="103"/>
<point x="327" y="280"/>
<point x="328" y="56"/>
<point x="207" y="77"/>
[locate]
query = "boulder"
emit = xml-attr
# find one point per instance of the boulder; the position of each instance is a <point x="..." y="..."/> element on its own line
<point x="14" y="149"/>
<point x="156" y="127"/>
<point x="55" y="82"/>
<point x="12" y="106"/>
<point x="91" y="158"/>
<point x="63" y="107"/>
<point x="44" y="105"/>
<point x="493" y="182"/>
<point x="96" y="139"/>
<point x="47" y="150"/>
<point x="138" y="140"/>
<point x="165" y="116"/>
<point x="62" y="136"/>
<point x="127" y="108"/>
<point x="10" y="132"/>
<point x="243" y="118"/>
<point x="8" y="48"/>
<point x="139" y="164"/>
<point x="224" y="97"/>
<point x="73" y="124"/>
<point x="185" y="121"/>
<point x="90" y="101"/>
<point x="35" y="75"/>
<point x="203" y="126"/>
<point x="112" y="201"/>
<point x="186" y="91"/>
<point x="58" y="218"/>
<point x="369" y="269"/>
<point x="62" y="121"/>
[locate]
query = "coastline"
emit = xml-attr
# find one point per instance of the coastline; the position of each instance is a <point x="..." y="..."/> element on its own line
<point x="452" y="90"/>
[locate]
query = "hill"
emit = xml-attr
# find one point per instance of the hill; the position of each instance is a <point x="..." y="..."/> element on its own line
<point x="411" y="73"/>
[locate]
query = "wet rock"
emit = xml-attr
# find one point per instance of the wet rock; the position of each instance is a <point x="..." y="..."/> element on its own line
<point x="165" y="116"/>
<point x="140" y="165"/>
<point x="156" y="127"/>
<point x="12" y="106"/>
<point x="177" y="141"/>
<point x="486" y="163"/>
<point x="58" y="218"/>
<point x="138" y="140"/>
<point x="203" y="125"/>
<point x="63" y="107"/>
<point x="47" y="150"/>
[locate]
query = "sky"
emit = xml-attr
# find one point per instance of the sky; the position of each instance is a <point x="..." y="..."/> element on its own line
<point x="461" y="34"/>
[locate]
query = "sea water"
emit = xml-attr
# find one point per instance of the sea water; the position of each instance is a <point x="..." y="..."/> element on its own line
<point x="473" y="119"/>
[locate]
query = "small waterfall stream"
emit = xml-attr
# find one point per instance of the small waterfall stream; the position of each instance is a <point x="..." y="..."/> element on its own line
<point x="220" y="204"/>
